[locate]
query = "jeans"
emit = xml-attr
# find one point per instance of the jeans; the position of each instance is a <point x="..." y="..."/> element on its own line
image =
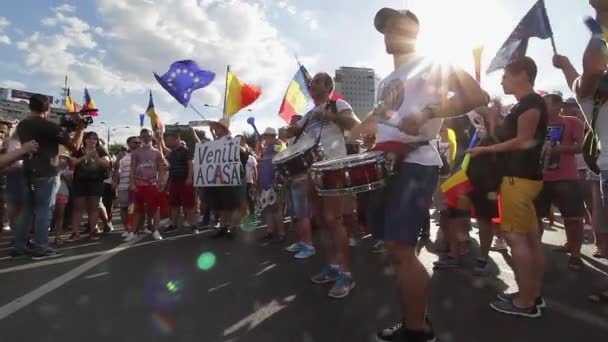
<point x="38" y="206"/>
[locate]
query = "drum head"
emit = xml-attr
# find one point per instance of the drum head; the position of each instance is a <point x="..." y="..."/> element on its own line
<point x="303" y="144"/>
<point x="356" y="159"/>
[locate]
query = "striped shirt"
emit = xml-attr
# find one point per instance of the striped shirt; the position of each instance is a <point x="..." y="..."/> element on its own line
<point x="124" y="172"/>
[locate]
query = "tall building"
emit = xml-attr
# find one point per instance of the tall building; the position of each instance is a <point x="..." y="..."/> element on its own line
<point x="358" y="86"/>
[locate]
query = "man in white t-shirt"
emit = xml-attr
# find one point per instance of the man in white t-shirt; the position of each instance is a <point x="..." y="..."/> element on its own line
<point x="122" y="181"/>
<point x="327" y="122"/>
<point x="412" y="102"/>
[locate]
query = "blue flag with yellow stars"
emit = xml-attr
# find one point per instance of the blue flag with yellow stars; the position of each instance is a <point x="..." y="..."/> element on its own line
<point x="183" y="78"/>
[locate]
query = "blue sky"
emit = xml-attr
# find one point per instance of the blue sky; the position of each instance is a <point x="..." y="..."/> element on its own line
<point x="113" y="46"/>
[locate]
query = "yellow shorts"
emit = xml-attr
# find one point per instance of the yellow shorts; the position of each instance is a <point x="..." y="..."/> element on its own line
<point x="517" y="211"/>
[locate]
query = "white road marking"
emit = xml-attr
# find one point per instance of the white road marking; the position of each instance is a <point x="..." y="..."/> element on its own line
<point x="260" y="315"/>
<point x="59" y="249"/>
<point x="266" y="269"/>
<point x="27" y="299"/>
<point x="85" y="256"/>
<point x="218" y="287"/>
<point x="96" y="275"/>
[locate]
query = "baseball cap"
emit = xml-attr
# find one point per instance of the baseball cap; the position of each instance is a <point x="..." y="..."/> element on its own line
<point x="385" y="13"/>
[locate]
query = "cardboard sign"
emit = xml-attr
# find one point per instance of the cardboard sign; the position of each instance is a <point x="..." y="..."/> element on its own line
<point x="217" y="163"/>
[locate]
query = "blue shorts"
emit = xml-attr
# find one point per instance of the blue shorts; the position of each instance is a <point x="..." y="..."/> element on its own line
<point x="397" y="211"/>
<point x="298" y="199"/>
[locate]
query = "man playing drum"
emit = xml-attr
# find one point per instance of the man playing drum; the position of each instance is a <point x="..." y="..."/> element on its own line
<point x="327" y="123"/>
<point x="412" y="101"/>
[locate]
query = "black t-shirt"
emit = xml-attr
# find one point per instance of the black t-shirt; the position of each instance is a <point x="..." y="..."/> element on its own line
<point x="525" y="163"/>
<point x="88" y="170"/>
<point x="49" y="136"/>
<point x="178" y="163"/>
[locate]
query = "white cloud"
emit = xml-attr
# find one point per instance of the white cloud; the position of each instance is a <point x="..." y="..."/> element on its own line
<point x="12" y="84"/>
<point x="4" y="23"/>
<point x="65" y="8"/>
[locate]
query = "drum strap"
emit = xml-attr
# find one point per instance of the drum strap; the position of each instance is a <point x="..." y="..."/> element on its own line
<point x="397" y="150"/>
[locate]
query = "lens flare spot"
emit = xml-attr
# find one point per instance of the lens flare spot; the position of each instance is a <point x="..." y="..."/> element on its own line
<point x="174" y="286"/>
<point x="162" y="323"/>
<point x="206" y="261"/>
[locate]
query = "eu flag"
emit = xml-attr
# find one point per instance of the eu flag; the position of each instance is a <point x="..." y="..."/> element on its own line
<point x="534" y="24"/>
<point x="183" y="78"/>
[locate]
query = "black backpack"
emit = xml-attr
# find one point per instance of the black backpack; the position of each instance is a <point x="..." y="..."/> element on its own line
<point x="486" y="170"/>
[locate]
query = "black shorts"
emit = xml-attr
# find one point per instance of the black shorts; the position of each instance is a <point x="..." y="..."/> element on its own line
<point x="224" y="197"/>
<point x="88" y="188"/>
<point x="567" y="196"/>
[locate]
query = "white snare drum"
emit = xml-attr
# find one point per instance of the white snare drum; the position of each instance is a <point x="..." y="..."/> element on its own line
<point x="298" y="158"/>
<point x="352" y="174"/>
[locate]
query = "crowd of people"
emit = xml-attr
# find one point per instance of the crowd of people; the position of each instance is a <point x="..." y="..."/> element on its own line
<point x="525" y="160"/>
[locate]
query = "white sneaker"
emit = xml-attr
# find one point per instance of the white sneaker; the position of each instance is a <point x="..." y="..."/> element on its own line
<point x="164" y="223"/>
<point x="147" y="231"/>
<point x="196" y="231"/>
<point x="156" y="235"/>
<point x="124" y="234"/>
<point x="499" y="245"/>
<point x="6" y="228"/>
<point x="352" y="242"/>
<point x="130" y="237"/>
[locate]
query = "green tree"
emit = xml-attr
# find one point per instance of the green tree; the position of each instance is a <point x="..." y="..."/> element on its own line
<point x="115" y="148"/>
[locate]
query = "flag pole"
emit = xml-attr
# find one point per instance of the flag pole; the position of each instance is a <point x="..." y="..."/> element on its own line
<point x="197" y="112"/>
<point x="547" y="18"/>
<point x="226" y="91"/>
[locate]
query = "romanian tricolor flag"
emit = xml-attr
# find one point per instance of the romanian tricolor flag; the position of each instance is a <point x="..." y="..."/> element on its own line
<point x="456" y="188"/>
<point x="238" y="94"/>
<point x="69" y="104"/>
<point x="297" y="95"/>
<point x="154" y="118"/>
<point x="89" y="105"/>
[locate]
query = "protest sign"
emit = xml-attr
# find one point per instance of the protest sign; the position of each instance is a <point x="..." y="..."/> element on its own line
<point x="217" y="163"/>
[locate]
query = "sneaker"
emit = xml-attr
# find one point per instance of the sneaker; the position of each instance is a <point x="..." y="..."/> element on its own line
<point x="305" y="252"/>
<point x="6" y="228"/>
<point x="482" y="267"/>
<point x="326" y="276"/>
<point x="446" y="262"/>
<point x="399" y="332"/>
<point x="196" y="231"/>
<point x="352" y="242"/>
<point x="164" y="223"/>
<point x="296" y="247"/>
<point x="147" y="231"/>
<point x="499" y="245"/>
<point x="156" y="235"/>
<point x="124" y="234"/>
<point x="94" y="235"/>
<point x="507" y="307"/>
<point x="229" y="234"/>
<point x="108" y="228"/>
<point x="507" y="297"/>
<point x="342" y="287"/>
<point x="73" y="237"/>
<point x="48" y="254"/>
<point x="14" y="255"/>
<point x="170" y="228"/>
<point x="130" y="237"/>
<point x="377" y="247"/>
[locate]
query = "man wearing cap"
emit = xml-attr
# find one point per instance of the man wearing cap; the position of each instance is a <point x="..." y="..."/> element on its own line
<point x="271" y="195"/>
<point x="413" y="99"/>
<point x="225" y="200"/>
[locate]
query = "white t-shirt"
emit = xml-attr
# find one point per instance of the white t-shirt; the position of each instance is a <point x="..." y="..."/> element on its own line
<point x="407" y="91"/>
<point x="332" y="137"/>
<point x="601" y="127"/>
<point x="252" y="164"/>
<point x="124" y="173"/>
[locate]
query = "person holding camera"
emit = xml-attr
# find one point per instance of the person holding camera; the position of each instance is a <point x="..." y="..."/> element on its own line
<point x="91" y="164"/>
<point x="42" y="177"/>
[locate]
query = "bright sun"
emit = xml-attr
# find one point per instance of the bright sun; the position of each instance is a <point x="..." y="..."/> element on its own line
<point x="450" y="30"/>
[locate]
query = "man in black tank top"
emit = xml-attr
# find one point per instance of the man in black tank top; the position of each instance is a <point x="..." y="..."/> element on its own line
<point x="522" y="136"/>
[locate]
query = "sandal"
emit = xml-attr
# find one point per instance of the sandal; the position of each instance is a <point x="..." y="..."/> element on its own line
<point x="599" y="297"/>
<point x="575" y="264"/>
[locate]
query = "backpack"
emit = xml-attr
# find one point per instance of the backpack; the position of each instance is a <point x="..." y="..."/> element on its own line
<point x="485" y="171"/>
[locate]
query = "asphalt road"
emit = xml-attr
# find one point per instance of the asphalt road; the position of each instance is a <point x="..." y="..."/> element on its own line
<point x="193" y="288"/>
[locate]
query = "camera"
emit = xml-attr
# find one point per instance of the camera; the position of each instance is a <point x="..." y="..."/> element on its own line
<point x="71" y="121"/>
